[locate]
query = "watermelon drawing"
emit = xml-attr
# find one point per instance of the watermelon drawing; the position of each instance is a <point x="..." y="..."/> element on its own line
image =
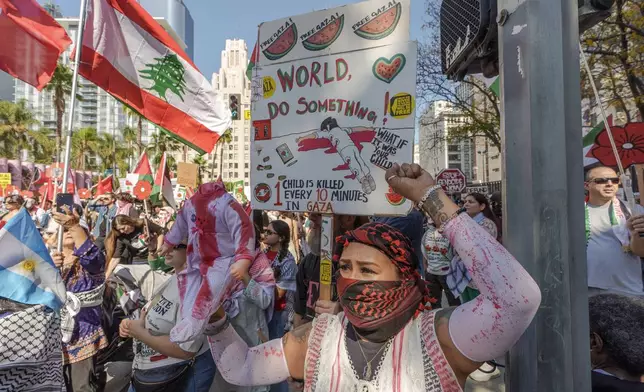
<point x="387" y="69"/>
<point x="393" y="198"/>
<point x="383" y="25"/>
<point x="326" y="36"/>
<point x="283" y="44"/>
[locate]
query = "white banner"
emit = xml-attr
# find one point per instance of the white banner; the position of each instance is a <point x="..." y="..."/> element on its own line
<point x="327" y="128"/>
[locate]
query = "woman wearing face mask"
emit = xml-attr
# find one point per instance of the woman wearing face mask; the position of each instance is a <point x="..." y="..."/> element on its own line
<point x="159" y="364"/>
<point x="386" y="339"/>
<point x="81" y="266"/>
<point x="131" y="241"/>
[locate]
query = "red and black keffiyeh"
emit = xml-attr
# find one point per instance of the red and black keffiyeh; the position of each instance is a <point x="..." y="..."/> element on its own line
<point x="382" y="305"/>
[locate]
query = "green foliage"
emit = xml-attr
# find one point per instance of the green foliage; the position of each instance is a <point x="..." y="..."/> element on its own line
<point x="60" y="86"/>
<point x="615" y="51"/>
<point x="15" y="123"/>
<point x="159" y="143"/>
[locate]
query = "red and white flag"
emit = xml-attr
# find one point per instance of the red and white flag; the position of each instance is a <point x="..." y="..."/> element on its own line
<point x="129" y="55"/>
<point x="31" y="42"/>
<point x="104" y="186"/>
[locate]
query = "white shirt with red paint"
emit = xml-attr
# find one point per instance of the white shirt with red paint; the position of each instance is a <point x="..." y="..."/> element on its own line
<point x="218" y="232"/>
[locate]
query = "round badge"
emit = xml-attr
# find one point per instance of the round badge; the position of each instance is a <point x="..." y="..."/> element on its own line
<point x="262" y="193"/>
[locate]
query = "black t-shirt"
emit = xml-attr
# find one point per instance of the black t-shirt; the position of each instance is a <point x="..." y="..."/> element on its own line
<point x="308" y="286"/>
<point x="131" y="247"/>
<point x="605" y="383"/>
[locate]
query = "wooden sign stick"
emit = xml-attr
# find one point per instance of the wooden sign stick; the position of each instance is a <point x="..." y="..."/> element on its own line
<point x="326" y="252"/>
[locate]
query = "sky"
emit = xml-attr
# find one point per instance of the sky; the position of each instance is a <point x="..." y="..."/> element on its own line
<point x="214" y="23"/>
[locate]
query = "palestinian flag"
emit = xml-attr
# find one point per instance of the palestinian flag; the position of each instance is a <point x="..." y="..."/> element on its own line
<point x="589" y="141"/>
<point x="144" y="170"/>
<point x="162" y="189"/>
<point x="129" y="55"/>
<point x="253" y="61"/>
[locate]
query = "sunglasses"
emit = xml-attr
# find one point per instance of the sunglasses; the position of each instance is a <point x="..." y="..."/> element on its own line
<point x="181" y="246"/>
<point x="605" y="180"/>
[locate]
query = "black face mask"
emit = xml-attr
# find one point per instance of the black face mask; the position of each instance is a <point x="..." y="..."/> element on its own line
<point x="373" y="318"/>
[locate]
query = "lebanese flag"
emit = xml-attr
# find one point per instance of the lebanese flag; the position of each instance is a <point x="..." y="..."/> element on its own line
<point x="104" y="186"/>
<point x="129" y="55"/>
<point x="143" y="169"/>
<point x="31" y="43"/>
<point x="162" y="185"/>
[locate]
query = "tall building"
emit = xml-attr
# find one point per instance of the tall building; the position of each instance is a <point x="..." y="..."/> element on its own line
<point x="232" y="83"/>
<point x="97" y="108"/>
<point x="476" y="157"/>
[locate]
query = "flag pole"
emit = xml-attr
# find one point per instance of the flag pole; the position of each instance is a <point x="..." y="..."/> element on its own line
<point x="72" y="105"/>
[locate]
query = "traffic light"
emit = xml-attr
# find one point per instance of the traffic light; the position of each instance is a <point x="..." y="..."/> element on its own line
<point x="469" y="42"/>
<point x="469" y="34"/>
<point x="592" y="12"/>
<point x="233" y="102"/>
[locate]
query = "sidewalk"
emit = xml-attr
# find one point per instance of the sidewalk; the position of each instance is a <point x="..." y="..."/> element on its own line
<point x="494" y="385"/>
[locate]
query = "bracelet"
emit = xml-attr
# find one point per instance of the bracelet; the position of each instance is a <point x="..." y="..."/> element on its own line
<point x="217" y="327"/>
<point x="419" y="205"/>
<point x="454" y="215"/>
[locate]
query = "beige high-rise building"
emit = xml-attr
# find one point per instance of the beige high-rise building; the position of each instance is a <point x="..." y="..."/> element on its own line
<point x="233" y="160"/>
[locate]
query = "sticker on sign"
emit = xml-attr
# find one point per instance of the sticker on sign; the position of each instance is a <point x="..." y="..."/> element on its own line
<point x="452" y="180"/>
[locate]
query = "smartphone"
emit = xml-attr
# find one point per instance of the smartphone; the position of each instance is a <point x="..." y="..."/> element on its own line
<point x="64" y="199"/>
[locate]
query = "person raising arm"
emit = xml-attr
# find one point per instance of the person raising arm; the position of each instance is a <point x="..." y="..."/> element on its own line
<point x="376" y="261"/>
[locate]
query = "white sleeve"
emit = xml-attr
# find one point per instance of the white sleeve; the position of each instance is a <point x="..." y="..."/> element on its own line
<point x="486" y="327"/>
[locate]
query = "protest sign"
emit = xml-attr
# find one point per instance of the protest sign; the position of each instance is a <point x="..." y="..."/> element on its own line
<point x="323" y="138"/>
<point x="335" y="30"/>
<point x="452" y="180"/>
<point x="5" y="179"/>
<point x="187" y="174"/>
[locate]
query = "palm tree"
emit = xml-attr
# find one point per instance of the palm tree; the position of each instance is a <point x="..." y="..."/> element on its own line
<point x="112" y="153"/>
<point x="130" y="137"/>
<point x="201" y="161"/>
<point x="225" y="138"/>
<point x="161" y="142"/>
<point x="43" y="145"/>
<point x="85" y="143"/>
<point x="131" y="113"/>
<point x="15" y="121"/>
<point x="61" y="86"/>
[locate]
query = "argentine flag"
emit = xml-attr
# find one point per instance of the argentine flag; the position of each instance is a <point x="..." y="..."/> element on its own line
<point x="27" y="272"/>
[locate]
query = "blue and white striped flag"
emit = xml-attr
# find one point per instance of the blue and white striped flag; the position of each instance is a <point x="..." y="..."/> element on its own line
<point x="27" y="272"/>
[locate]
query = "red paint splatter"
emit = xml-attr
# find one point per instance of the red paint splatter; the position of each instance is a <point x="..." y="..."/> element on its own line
<point x="358" y="137"/>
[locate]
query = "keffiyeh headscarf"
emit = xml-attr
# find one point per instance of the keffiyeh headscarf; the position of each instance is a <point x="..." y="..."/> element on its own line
<point x="380" y="309"/>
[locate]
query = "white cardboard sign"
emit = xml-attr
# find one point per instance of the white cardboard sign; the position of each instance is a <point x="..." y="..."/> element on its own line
<point x="326" y="129"/>
<point x="350" y="27"/>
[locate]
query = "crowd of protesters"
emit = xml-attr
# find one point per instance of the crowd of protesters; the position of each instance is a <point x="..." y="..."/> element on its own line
<point x="418" y="303"/>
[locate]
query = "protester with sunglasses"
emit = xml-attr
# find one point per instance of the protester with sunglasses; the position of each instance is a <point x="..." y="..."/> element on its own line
<point x="159" y="364"/>
<point x="613" y="242"/>
<point x="12" y="204"/>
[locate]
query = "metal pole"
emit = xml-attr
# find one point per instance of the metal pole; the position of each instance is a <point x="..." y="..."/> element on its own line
<point x="543" y="189"/>
<point x="72" y="105"/>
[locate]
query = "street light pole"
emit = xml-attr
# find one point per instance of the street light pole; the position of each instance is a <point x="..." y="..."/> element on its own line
<point x="543" y="189"/>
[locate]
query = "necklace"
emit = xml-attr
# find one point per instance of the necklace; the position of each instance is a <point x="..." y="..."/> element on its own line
<point x="367" y="372"/>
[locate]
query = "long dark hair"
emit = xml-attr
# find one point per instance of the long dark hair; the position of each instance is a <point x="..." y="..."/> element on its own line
<point x="487" y="210"/>
<point x="113" y="235"/>
<point x="283" y="230"/>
